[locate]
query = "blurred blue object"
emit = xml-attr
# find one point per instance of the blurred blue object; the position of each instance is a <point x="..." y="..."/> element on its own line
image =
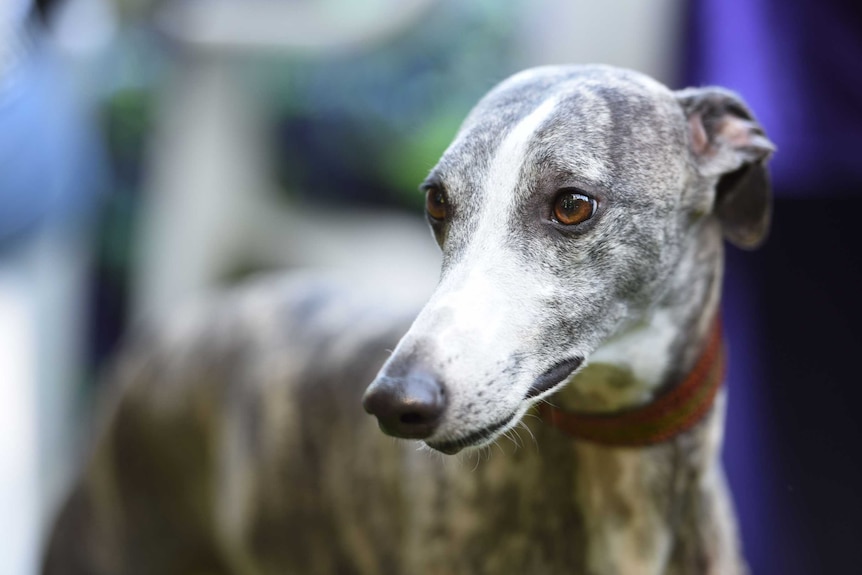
<point x="51" y="178"/>
<point x="51" y="158"/>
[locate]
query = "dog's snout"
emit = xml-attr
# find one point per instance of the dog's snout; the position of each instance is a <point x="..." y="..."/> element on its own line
<point x="409" y="405"/>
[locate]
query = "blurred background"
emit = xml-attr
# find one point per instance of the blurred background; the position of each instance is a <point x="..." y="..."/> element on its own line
<point x="154" y="150"/>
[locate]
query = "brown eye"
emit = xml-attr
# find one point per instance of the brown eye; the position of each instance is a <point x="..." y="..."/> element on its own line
<point x="436" y="203"/>
<point x="572" y="208"/>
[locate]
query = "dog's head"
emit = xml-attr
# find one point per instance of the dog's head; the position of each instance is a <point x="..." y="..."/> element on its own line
<point x="562" y="207"/>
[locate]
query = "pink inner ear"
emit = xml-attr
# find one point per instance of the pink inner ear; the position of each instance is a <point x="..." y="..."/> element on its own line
<point x="699" y="141"/>
<point x="736" y="131"/>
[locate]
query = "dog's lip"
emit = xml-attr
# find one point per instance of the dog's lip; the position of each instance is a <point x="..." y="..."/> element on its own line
<point x="453" y="446"/>
<point x="554" y="376"/>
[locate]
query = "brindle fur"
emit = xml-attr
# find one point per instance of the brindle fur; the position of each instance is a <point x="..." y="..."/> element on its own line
<point x="235" y="441"/>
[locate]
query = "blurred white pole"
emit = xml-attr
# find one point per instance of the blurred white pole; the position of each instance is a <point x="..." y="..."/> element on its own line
<point x="19" y="469"/>
<point x="41" y="344"/>
<point x="208" y="168"/>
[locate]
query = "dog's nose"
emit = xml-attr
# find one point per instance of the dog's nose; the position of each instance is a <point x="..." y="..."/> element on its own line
<point x="408" y="406"/>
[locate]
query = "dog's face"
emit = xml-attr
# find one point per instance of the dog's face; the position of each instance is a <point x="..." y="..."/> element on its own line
<point x="561" y="208"/>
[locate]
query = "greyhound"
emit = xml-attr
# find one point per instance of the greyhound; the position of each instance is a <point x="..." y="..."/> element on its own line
<point x="580" y="212"/>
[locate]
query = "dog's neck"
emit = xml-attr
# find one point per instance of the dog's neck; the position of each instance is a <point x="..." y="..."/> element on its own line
<point x="677" y="488"/>
<point x="658" y="350"/>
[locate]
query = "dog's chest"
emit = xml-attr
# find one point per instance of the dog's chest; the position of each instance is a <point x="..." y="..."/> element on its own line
<point x="560" y="508"/>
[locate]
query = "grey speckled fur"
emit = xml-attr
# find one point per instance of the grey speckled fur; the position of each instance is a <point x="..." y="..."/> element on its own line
<point x="236" y="442"/>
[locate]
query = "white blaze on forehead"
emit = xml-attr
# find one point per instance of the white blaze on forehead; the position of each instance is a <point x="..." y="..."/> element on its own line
<point x="586" y="150"/>
<point x="506" y="166"/>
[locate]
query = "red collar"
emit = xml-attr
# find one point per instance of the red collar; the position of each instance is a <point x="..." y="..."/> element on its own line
<point x="670" y="414"/>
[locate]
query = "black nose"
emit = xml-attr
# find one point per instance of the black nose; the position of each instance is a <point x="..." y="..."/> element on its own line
<point x="408" y="406"/>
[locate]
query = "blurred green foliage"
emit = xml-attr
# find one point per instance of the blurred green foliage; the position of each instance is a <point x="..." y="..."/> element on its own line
<point x="366" y="127"/>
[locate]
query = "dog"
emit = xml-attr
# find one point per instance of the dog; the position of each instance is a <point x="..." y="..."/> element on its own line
<point x="581" y="213"/>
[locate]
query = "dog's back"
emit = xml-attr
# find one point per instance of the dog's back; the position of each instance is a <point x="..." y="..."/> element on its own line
<point x="229" y="434"/>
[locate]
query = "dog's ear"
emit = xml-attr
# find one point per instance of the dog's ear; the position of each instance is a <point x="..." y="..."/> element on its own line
<point x="728" y="143"/>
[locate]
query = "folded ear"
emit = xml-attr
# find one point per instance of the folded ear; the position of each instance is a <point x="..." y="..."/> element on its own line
<point x="728" y="143"/>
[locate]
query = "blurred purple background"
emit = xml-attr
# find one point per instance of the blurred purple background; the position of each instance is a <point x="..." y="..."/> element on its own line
<point x="155" y="150"/>
<point x="793" y="309"/>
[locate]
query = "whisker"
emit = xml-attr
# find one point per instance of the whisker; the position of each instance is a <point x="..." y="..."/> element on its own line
<point x="523" y="425"/>
<point x="518" y="435"/>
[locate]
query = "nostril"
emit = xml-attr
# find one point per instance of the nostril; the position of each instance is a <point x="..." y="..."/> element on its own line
<point x="410" y="406"/>
<point x="411" y="418"/>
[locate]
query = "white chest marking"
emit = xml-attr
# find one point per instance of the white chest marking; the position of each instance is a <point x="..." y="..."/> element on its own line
<point x="640" y="355"/>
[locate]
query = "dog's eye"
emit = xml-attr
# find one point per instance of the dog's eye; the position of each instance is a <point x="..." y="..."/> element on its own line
<point x="572" y="207"/>
<point x="436" y="203"/>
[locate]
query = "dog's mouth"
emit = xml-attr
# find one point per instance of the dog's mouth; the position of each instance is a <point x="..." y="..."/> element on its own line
<point x="473" y="439"/>
<point x="549" y="380"/>
<point x="554" y="376"/>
